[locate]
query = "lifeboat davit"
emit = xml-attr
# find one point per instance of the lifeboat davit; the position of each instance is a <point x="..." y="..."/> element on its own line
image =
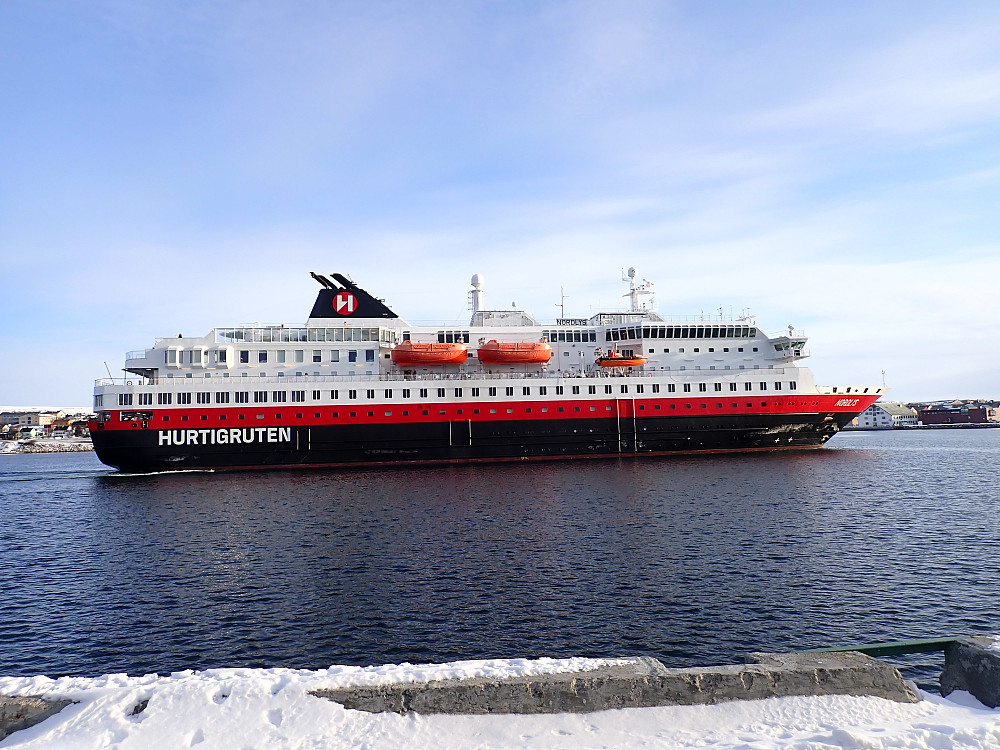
<point x="614" y="359"/>
<point x="410" y="353"/>
<point x="514" y="353"/>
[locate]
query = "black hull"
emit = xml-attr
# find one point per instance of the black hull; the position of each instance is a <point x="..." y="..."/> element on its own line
<point x="141" y="450"/>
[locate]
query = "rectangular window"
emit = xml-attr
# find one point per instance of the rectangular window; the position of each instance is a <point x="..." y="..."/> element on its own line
<point x="671" y="388"/>
<point x="183" y="398"/>
<point x="607" y="389"/>
<point x="423" y="393"/>
<point x="241" y="397"/>
<point x="458" y="393"/>
<point x="791" y="385"/>
<point x="509" y="391"/>
<point x="260" y="397"/>
<point x="316" y="396"/>
<point x="763" y="386"/>
<point x="262" y="356"/>
<point x="300" y="355"/>
<point x="687" y="387"/>
<point x="369" y="355"/>
<point x="298" y="396"/>
<point x="369" y="393"/>
<point x="124" y="399"/>
<point x="317" y="355"/>
<point x="164" y="398"/>
<point x="406" y="393"/>
<point x="591" y="389"/>
<point x="576" y="390"/>
<point x="352" y="394"/>
<point x="335" y="355"/>
<point x="542" y="390"/>
<point x="440" y="392"/>
<point x="718" y="386"/>
<point x="526" y="391"/>
<point x="624" y="389"/>
<point x="732" y="386"/>
<point x="244" y="357"/>
<point x="204" y="398"/>
<point x="352" y="355"/>
<point x="493" y="391"/>
<point x="281" y="356"/>
<point x="702" y="387"/>
<point x="639" y="389"/>
<point x="748" y="386"/>
<point x="777" y="386"/>
<point x="475" y="392"/>
<point x="334" y="395"/>
<point x="388" y="392"/>
<point x="279" y="396"/>
<point x="656" y="387"/>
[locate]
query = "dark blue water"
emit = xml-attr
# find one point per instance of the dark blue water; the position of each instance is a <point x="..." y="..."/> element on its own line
<point x="696" y="560"/>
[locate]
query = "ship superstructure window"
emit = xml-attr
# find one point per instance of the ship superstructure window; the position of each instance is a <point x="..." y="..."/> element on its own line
<point x="509" y="391"/>
<point x="526" y="391"/>
<point x="260" y="397"/>
<point x="317" y="355"/>
<point x="791" y="385"/>
<point x="656" y="387"/>
<point x="335" y="355"/>
<point x="671" y="388"/>
<point x="763" y="386"/>
<point x="164" y="398"/>
<point x="279" y="397"/>
<point x="244" y="357"/>
<point x="369" y="355"/>
<point x="475" y="392"/>
<point x="687" y="387"/>
<point x="352" y="394"/>
<point x="204" y="398"/>
<point x="316" y="395"/>
<point x="453" y="337"/>
<point x="423" y="393"/>
<point x="369" y="393"/>
<point x="124" y="399"/>
<point x="242" y="397"/>
<point x="222" y="397"/>
<point x="183" y="398"/>
<point x="493" y="391"/>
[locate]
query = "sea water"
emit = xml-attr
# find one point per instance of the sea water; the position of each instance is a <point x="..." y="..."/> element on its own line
<point x="695" y="560"/>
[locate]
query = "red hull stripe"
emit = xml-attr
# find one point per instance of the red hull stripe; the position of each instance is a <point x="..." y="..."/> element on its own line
<point x="301" y="414"/>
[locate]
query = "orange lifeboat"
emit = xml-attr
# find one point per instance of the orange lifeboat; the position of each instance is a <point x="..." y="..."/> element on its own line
<point x="614" y="359"/>
<point x="515" y="353"/>
<point x="410" y="353"/>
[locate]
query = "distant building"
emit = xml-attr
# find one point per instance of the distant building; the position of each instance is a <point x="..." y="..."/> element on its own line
<point x="886" y="415"/>
<point x="955" y="413"/>
<point x="29" y="418"/>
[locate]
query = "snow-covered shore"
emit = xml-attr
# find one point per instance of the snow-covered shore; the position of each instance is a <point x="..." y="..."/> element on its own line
<point x="271" y="708"/>
<point x="47" y="445"/>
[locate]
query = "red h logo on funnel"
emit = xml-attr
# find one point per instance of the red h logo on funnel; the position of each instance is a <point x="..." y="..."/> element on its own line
<point x="345" y="303"/>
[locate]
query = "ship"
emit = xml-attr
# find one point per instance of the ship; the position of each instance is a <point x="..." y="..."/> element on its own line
<point x="357" y="385"/>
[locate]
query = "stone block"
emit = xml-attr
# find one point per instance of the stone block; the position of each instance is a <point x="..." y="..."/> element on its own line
<point x="22" y="711"/>
<point x="971" y="664"/>
<point x="641" y="682"/>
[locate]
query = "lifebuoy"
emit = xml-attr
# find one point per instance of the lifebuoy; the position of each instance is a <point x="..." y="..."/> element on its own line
<point x="128" y="382"/>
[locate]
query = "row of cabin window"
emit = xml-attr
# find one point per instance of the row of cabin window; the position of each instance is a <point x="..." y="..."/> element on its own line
<point x="680" y="332"/>
<point x="280" y="356"/>
<point x="280" y="334"/>
<point x="280" y="397"/>
<point x="148" y="415"/>
<point x="575" y="336"/>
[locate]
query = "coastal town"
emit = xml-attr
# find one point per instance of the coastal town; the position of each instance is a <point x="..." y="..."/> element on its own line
<point x="56" y="430"/>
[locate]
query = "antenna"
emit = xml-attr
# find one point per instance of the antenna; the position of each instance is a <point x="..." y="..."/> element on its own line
<point x="108" y="369"/>
<point x="562" y="303"/>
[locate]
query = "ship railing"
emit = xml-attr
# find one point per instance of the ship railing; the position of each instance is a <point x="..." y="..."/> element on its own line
<point x="210" y="380"/>
<point x="849" y="390"/>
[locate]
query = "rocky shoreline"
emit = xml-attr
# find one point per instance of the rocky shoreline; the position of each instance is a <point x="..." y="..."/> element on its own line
<point x="55" y="445"/>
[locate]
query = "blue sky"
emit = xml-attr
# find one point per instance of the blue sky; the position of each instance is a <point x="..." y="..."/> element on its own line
<point x="171" y="167"/>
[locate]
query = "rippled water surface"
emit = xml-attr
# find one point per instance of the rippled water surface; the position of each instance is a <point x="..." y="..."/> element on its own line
<point x="696" y="560"/>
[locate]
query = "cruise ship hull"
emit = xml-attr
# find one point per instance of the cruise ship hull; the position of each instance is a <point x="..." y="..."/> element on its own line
<point x="142" y="449"/>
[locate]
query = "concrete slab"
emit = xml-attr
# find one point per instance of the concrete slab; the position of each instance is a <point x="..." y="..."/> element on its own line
<point x="971" y="664"/>
<point x="641" y="682"/>
<point x="22" y="711"/>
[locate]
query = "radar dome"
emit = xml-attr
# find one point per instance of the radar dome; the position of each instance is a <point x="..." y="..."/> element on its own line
<point x="478" y="280"/>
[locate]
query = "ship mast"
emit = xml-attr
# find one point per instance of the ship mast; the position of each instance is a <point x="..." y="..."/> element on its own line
<point x="646" y="287"/>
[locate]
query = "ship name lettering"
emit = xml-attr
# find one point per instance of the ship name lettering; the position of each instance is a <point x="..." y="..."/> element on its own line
<point x="234" y="435"/>
<point x="848" y="402"/>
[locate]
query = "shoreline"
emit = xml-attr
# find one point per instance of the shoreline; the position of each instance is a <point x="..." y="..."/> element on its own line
<point x="54" y="445"/>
